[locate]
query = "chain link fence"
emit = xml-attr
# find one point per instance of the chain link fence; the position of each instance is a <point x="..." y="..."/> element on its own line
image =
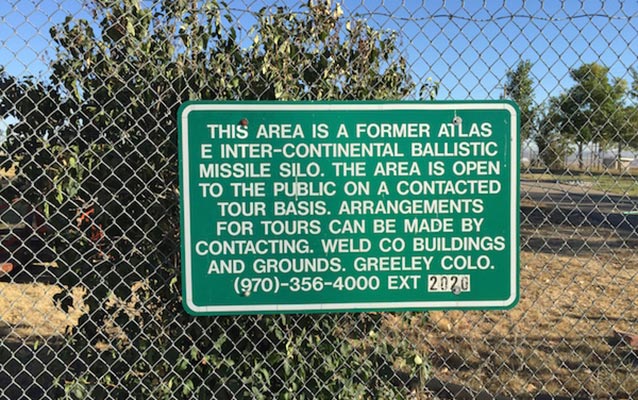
<point x="90" y="302"/>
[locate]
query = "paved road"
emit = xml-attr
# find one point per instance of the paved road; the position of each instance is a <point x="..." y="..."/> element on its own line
<point x="576" y="194"/>
<point x="580" y="203"/>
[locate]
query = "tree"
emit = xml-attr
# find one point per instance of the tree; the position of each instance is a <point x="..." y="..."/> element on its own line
<point x="519" y="87"/>
<point x="552" y="145"/>
<point x="322" y="57"/>
<point x="593" y="110"/>
<point x="33" y="107"/>
<point x="104" y="169"/>
<point x="631" y="113"/>
<point x="634" y="83"/>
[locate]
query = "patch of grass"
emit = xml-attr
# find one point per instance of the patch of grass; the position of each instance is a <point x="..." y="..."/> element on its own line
<point x="607" y="181"/>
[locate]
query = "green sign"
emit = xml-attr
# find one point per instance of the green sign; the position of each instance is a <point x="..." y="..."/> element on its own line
<point x="301" y="207"/>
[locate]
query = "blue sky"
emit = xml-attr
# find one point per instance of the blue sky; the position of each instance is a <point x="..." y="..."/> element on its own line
<point x="466" y="45"/>
<point x="469" y="46"/>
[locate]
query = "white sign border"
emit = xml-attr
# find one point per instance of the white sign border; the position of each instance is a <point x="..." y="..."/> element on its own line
<point x="354" y="307"/>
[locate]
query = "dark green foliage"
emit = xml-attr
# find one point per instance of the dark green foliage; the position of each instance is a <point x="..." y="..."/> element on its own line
<point x="96" y="150"/>
<point x="287" y="357"/>
<point x="519" y="87"/>
<point x="593" y="110"/>
<point x="553" y="146"/>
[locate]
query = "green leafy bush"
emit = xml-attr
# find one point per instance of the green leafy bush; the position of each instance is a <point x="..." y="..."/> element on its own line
<point x="96" y="150"/>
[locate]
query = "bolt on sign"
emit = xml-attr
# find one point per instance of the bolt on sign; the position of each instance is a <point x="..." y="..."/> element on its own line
<point x="305" y="207"/>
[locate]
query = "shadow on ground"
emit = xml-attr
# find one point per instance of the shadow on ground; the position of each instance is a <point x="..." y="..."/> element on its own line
<point x="553" y="230"/>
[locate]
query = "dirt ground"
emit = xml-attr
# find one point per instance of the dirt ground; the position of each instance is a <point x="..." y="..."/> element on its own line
<point x="578" y="285"/>
<point x="556" y="341"/>
<point x="28" y="312"/>
<point x="31" y="330"/>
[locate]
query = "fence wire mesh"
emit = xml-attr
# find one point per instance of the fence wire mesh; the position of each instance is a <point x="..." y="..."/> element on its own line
<point x="89" y="293"/>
